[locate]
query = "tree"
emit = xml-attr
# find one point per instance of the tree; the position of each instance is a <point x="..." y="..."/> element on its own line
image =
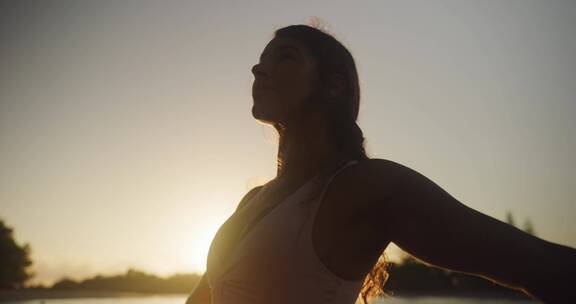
<point x="510" y="218"/>
<point x="14" y="260"/>
<point x="528" y="227"/>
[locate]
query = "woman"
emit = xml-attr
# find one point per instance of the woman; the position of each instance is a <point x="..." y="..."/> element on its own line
<point x="316" y="233"/>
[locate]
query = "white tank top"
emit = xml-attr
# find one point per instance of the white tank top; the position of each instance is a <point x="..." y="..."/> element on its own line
<point x="275" y="262"/>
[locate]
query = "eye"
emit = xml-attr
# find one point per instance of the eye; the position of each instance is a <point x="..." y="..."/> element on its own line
<point x="286" y="55"/>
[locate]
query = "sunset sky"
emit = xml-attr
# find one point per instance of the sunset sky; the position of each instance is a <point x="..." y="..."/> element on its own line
<point x="126" y="134"/>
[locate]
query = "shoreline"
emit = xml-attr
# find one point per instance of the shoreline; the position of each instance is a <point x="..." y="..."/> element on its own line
<point x="15" y="295"/>
<point x="508" y="295"/>
<point x="39" y="294"/>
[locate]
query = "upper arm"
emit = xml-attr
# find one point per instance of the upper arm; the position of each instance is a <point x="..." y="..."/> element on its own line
<point x="429" y="223"/>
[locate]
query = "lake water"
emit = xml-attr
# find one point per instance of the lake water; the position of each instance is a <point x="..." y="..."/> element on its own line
<point x="182" y="299"/>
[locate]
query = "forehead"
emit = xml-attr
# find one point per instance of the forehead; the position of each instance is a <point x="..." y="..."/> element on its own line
<point x="286" y="43"/>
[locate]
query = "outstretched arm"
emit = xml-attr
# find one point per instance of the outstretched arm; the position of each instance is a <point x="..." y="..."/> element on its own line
<point x="430" y="224"/>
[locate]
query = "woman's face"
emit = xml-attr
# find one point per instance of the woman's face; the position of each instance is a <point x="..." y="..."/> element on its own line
<point x="283" y="79"/>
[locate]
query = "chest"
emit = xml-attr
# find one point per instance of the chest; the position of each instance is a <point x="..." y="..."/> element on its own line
<point x="344" y="234"/>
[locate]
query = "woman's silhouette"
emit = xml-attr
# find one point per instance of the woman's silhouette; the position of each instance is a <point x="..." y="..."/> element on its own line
<point x="349" y="206"/>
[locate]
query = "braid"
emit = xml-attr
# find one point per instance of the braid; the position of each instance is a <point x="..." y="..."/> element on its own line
<point x="345" y="132"/>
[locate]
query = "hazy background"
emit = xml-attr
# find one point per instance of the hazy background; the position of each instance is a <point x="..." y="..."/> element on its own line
<point x="126" y="135"/>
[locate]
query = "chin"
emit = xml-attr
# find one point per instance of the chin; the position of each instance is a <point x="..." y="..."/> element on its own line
<point x="259" y="113"/>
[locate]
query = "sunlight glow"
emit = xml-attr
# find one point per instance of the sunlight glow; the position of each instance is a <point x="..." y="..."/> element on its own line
<point x="194" y="251"/>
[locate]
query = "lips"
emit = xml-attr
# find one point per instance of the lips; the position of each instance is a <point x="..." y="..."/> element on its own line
<point x="262" y="91"/>
<point x="262" y="87"/>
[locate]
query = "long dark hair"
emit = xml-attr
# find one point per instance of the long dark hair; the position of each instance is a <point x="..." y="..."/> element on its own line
<point x="341" y="113"/>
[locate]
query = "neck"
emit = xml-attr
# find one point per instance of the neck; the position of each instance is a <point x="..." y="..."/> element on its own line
<point x="305" y="150"/>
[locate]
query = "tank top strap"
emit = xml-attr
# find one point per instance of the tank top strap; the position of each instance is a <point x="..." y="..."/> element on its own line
<point x="323" y="180"/>
<point x="304" y="246"/>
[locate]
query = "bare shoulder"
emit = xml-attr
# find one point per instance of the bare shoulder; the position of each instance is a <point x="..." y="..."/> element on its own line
<point x="373" y="179"/>
<point x="378" y="186"/>
<point x="389" y="171"/>
<point x="393" y="188"/>
<point x="357" y="199"/>
<point x="393" y="185"/>
<point x="363" y="184"/>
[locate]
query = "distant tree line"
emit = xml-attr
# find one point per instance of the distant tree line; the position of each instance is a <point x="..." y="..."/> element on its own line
<point x="412" y="277"/>
<point x="407" y="277"/>
<point x="133" y="281"/>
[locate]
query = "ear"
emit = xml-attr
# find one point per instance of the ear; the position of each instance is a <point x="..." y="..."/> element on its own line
<point x="337" y="85"/>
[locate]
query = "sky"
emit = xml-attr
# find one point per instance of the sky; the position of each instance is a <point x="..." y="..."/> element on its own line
<point x="126" y="134"/>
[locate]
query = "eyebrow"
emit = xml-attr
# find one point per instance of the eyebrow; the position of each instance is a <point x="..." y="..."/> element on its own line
<point x="286" y="46"/>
